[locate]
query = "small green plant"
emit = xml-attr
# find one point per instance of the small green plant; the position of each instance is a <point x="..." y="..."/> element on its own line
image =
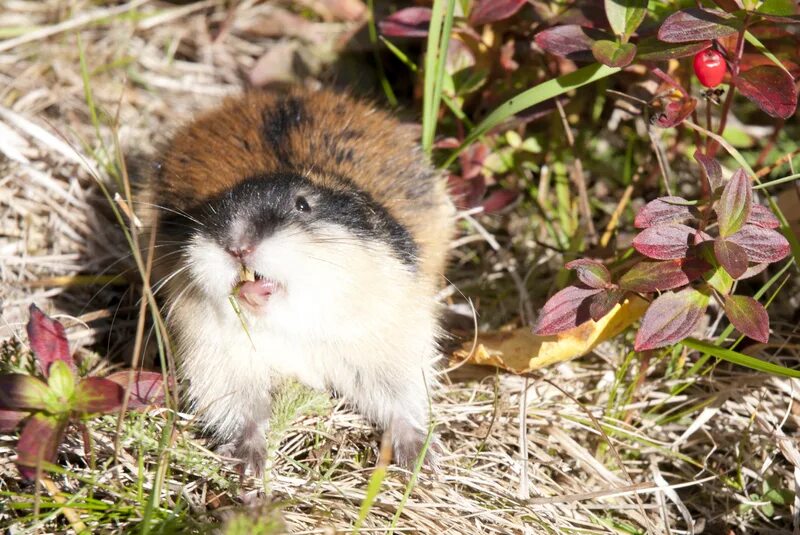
<point x="61" y="397"/>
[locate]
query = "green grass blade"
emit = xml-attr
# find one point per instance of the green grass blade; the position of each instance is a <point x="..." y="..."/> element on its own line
<point x="753" y="40"/>
<point x="777" y="181"/>
<point x="439" y="31"/>
<point x="373" y="488"/>
<point x="373" y="38"/>
<point x="535" y="95"/>
<point x="740" y="358"/>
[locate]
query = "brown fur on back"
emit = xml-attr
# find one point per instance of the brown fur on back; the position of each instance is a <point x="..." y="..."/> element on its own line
<point x="334" y="140"/>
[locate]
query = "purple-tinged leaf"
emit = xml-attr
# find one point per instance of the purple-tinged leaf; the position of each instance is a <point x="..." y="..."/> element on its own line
<point x="712" y="170"/>
<point x="601" y="304"/>
<point x="761" y="216"/>
<point x="665" y="242"/>
<point x="734" y="205"/>
<point x="761" y="244"/>
<point x="147" y="388"/>
<point x="9" y="420"/>
<point x="591" y="272"/>
<point x="731" y="257"/>
<point x="22" y="392"/>
<point x="409" y="22"/>
<point x="96" y="394"/>
<point x="748" y="316"/>
<point x="663" y="211"/>
<point x="670" y="318"/>
<point x="38" y="443"/>
<point x="771" y="88"/>
<point x="651" y="49"/>
<point x="695" y="24"/>
<point x="754" y="270"/>
<point x="48" y="340"/>
<point x="569" y="41"/>
<point x="625" y="16"/>
<point x="674" y="112"/>
<point x="488" y="11"/>
<point x="565" y="310"/>
<point x="647" y="276"/>
<point x="612" y="53"/>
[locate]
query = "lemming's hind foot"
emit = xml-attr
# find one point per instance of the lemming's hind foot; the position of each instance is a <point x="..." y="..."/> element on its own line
<point x="250" y="448"/>
<point x="408" y="441"/>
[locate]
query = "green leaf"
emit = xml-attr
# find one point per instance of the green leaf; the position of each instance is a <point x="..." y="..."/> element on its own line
<point x="783" y="8"/>
<point x="720" y="280"/>
<point x="62" y="381"/>
<point x="733" y="207"/>
<point x="612" y="53"/>
<point x="535" y="95"/>
<point x="741" y="359"/>
<point x="625" y="16"/>
<point x="22" y="392"/>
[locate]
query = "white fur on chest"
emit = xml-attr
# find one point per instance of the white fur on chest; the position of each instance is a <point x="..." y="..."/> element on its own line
<point x="352" y="319"/>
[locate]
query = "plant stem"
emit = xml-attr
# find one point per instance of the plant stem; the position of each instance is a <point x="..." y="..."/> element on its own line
<point x="726" y="107"/>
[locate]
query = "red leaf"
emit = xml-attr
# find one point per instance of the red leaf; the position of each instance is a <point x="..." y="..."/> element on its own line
<point x="95" y="394"/>
<point x="601" y="304"/>
<point x="761" y="216"/>
<point x="670" y="318"/>
<point x="565" y="310"/>
<point x="771" y="88"/>
<point x="748" y="316"/>
<point x="570" y="41"/>
<point x="761" y="244"/>
<point x="487" y="11"/>
<point x="612" y="53"/>
<point x="730" y="256"/>
<point x="665" y="242"/>
<point x="22" y="392"/>
<point x="695" y="24"/>
<point x="409" y="22"/>
<point x="48" y="341"/>
<point x="647" y="276"/>
<point x="147" y="387"/>
<point x="733" y="207"/>
<point x="9" y="420"/>
<point x="38" y="443"/>
<point x="663" y="211"/>
<point x="711" y="168"/>
<point x="498" y="199"/>
<point x="651" y="49"/>
<point x="675" y="112"/>
<point x="591" y="272"/>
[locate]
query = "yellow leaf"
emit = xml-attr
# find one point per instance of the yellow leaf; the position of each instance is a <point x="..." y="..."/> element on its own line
<point x="521" y="351"/>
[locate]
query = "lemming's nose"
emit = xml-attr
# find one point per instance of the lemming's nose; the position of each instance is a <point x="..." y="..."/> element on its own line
<point x="239" y="253"/>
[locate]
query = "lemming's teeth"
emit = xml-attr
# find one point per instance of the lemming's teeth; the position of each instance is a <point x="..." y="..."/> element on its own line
<point x="247" y="274"/>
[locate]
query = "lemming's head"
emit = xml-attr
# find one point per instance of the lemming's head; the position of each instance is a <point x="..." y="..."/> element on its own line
<point x="311" y="248"/>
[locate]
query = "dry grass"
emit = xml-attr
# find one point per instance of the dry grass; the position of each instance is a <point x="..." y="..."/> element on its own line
<point x="596" y="445"/>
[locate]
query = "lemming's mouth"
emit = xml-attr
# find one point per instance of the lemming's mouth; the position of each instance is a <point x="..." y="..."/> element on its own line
<point x="253" y="289"/>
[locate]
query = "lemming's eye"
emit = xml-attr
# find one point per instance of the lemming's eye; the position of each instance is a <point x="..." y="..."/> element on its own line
<point x="301" y="205"/>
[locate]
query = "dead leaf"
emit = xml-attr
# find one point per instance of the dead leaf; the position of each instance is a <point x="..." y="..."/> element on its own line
<point x="521" y="351"/>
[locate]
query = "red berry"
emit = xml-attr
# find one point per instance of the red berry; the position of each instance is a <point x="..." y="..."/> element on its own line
<point x="710" y="67"/>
